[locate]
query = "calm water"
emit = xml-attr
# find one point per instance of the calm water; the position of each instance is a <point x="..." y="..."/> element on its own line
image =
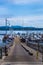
<point x="13" y="32"/>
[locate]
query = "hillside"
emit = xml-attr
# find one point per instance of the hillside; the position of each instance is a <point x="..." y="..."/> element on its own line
<point x="19" y="28"/>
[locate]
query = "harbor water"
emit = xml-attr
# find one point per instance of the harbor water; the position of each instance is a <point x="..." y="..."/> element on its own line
<point x="15" y="32"/>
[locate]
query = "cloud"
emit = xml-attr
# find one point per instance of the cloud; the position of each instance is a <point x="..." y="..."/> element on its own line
<point x="3" y="10"/>
<point x="25" y="1"/>
<point x="21" y="12"/>
<point x="35" y="21"/>
<point x="2" y="21"/>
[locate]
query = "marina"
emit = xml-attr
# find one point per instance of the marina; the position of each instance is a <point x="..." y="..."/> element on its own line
<point x="20" y="47"/>
<point x="21" y="32"/>
<point x="31" y="40"/>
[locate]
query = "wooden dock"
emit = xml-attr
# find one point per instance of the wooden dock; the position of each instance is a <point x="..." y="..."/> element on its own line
<point x="18" y="54"/>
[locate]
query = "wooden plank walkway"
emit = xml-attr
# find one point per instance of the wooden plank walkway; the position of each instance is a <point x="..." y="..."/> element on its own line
<point x="18" y="56"/>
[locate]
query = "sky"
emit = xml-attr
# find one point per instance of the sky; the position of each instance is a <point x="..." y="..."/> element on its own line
<point x="22" y="12"/>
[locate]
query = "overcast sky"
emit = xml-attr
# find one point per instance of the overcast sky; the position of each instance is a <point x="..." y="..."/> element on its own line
<point x="22" y="12"/>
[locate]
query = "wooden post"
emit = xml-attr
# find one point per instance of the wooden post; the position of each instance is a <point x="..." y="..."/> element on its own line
<point x="0" y="53"/>
<point x="37" y="53"/>
<point x="42" y="49"/>
<point x="6" y="51"/>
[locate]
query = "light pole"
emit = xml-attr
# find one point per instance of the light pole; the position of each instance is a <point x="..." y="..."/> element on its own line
<point x="6" y="24"/>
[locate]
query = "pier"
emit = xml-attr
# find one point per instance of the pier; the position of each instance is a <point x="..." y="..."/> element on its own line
<point x="18" y="53"/>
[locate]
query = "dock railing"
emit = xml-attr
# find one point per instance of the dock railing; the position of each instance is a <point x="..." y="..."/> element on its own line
<point x="4" y="50"/>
